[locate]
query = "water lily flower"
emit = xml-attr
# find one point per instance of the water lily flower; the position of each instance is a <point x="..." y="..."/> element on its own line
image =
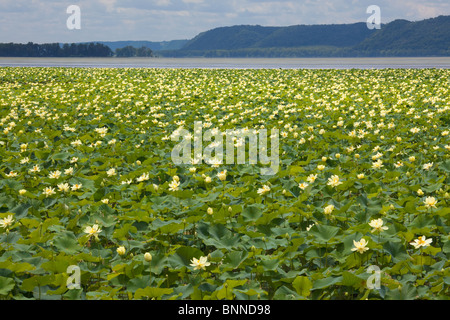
<point x="328" y="209"/>
<point x="93" y="231"/>
<point x="173" y="186"/>
<point x="377" y="225"/>
<point x="421" y="242"/>
<point x="263" y="190"/>
<point x="48" y="191"/>
<point x="6" y="222"/>
<point x="334" y="181"/>
<point x="360" y="246"/>
<point x="222" y="175"/>
<point x="430" y="202"/>
<point x="121" y="250"/>
<point x="201" y="263"/>
<point x="303" y="185"/>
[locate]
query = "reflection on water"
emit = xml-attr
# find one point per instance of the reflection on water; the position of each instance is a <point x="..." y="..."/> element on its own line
<point x="231" y="63"/>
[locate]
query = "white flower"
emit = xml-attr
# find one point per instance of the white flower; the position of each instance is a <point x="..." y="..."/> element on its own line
<point x="222" y="175"/>
<point x="427" y="166"/>
<point x="334" y="181"/>
<point x="311" y="178"/>
<point x="328" y="209"/>
<point x="48" y="191"/>
<point x="200" y="263"/>
<point x="77" y="186"/>
<point x="6" y="222"/>
<point x="421" y="242"/>
<point x="111" y="172"/>
<point x="263" y="190"/>
<point x="63" y="187"/>
<point x="173" y="186"/>
<point x="93" y="231"/>
<point x="360" y="246"/>
<point x="377" y="225"/>
<point x="55" y="174"/>
<point x="303" y="185"/>
<point x="430" y="202"/>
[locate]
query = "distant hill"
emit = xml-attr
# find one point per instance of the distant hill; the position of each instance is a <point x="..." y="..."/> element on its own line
<point x="430" y="37"/>
<point x="426" y="37"/>
<point x="240" y="37"/>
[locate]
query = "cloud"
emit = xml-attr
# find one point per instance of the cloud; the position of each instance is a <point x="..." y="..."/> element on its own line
<point x="157" y="20"/>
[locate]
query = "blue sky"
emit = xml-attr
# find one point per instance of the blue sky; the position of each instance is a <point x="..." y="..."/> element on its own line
<point x="43" y="21"/>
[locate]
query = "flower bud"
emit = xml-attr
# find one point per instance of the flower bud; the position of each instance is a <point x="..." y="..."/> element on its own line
<point x="148" y="257"/>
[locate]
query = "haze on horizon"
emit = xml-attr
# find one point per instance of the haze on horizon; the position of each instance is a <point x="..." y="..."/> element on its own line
<point x="44" y="21"/>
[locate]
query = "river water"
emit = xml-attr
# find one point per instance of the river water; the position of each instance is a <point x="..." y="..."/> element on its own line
<point x="232" y="63"/>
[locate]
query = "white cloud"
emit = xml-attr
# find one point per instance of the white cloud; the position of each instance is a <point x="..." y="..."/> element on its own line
<point x="157" y="20"/>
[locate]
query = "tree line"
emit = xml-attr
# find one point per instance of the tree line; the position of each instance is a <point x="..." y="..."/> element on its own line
<point x="31" y="49"/>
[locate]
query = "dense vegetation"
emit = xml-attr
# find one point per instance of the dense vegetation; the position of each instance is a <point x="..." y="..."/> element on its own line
<point x="54" y="50"/>
<point x="130" y="51"/>
<point x="88" y="181"/>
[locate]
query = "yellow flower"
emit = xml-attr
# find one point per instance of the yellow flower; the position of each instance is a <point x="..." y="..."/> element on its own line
<point x="173" y="186"/>
<point x="421" y="242"/>
<point x="121" y="250"/>
<point x="201" y="263"/>
<point x="334" y="181"/>
<point x="377" y="225"/>
<point x="263" y="190"/>
<point x="303" y="185"/>
<point x="77" y="186"/>
<point x="427" y="166"/>
<point x="360" y="246"/>
<point x="360" y="176"/>
<point x="63" y="187"/>
<point x="55" y="174"/>
<point x="311" y="178"/>
<point x="378" y="164"/>
<point x="22" y="192"/>
<point x="6" y="222"/>
<point x="210" y="211"/>
<point x="430" y="202"/>
<point x="222" y="175"/>
<point x="93" y="231"/>
<point x="328" y="209"/>
<point x="320" y="167"/>
<point x="111" y="172"/>
<point x="48" y="191"/>
<point x="420" y="192"/>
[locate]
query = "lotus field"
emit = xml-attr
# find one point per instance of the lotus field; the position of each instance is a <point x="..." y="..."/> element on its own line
<point x="93" y="206"/>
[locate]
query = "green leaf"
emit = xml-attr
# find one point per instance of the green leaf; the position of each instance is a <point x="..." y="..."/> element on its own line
<point x="284" y="293"/>
<point x="396" y="250"/>
<point x="6" y="285"/>
<point x="324" y="233"/>
<point x="183" y="256"/>
<point x="67" y="242"/>
<point x="302" y="285"/>
<point x="252" y="212"/>
<point x="326" y="282"/>
<point x="150" y="292"/>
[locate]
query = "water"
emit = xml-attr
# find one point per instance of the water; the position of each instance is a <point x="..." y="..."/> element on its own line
<point x="232" y="63"/>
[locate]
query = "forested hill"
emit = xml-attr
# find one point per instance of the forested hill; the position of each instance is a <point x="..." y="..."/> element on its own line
<point x="240" y="37"/>
<point x="430" y="37"/>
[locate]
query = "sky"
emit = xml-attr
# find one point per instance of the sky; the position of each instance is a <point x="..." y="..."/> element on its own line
<point x="45" y="21"/>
